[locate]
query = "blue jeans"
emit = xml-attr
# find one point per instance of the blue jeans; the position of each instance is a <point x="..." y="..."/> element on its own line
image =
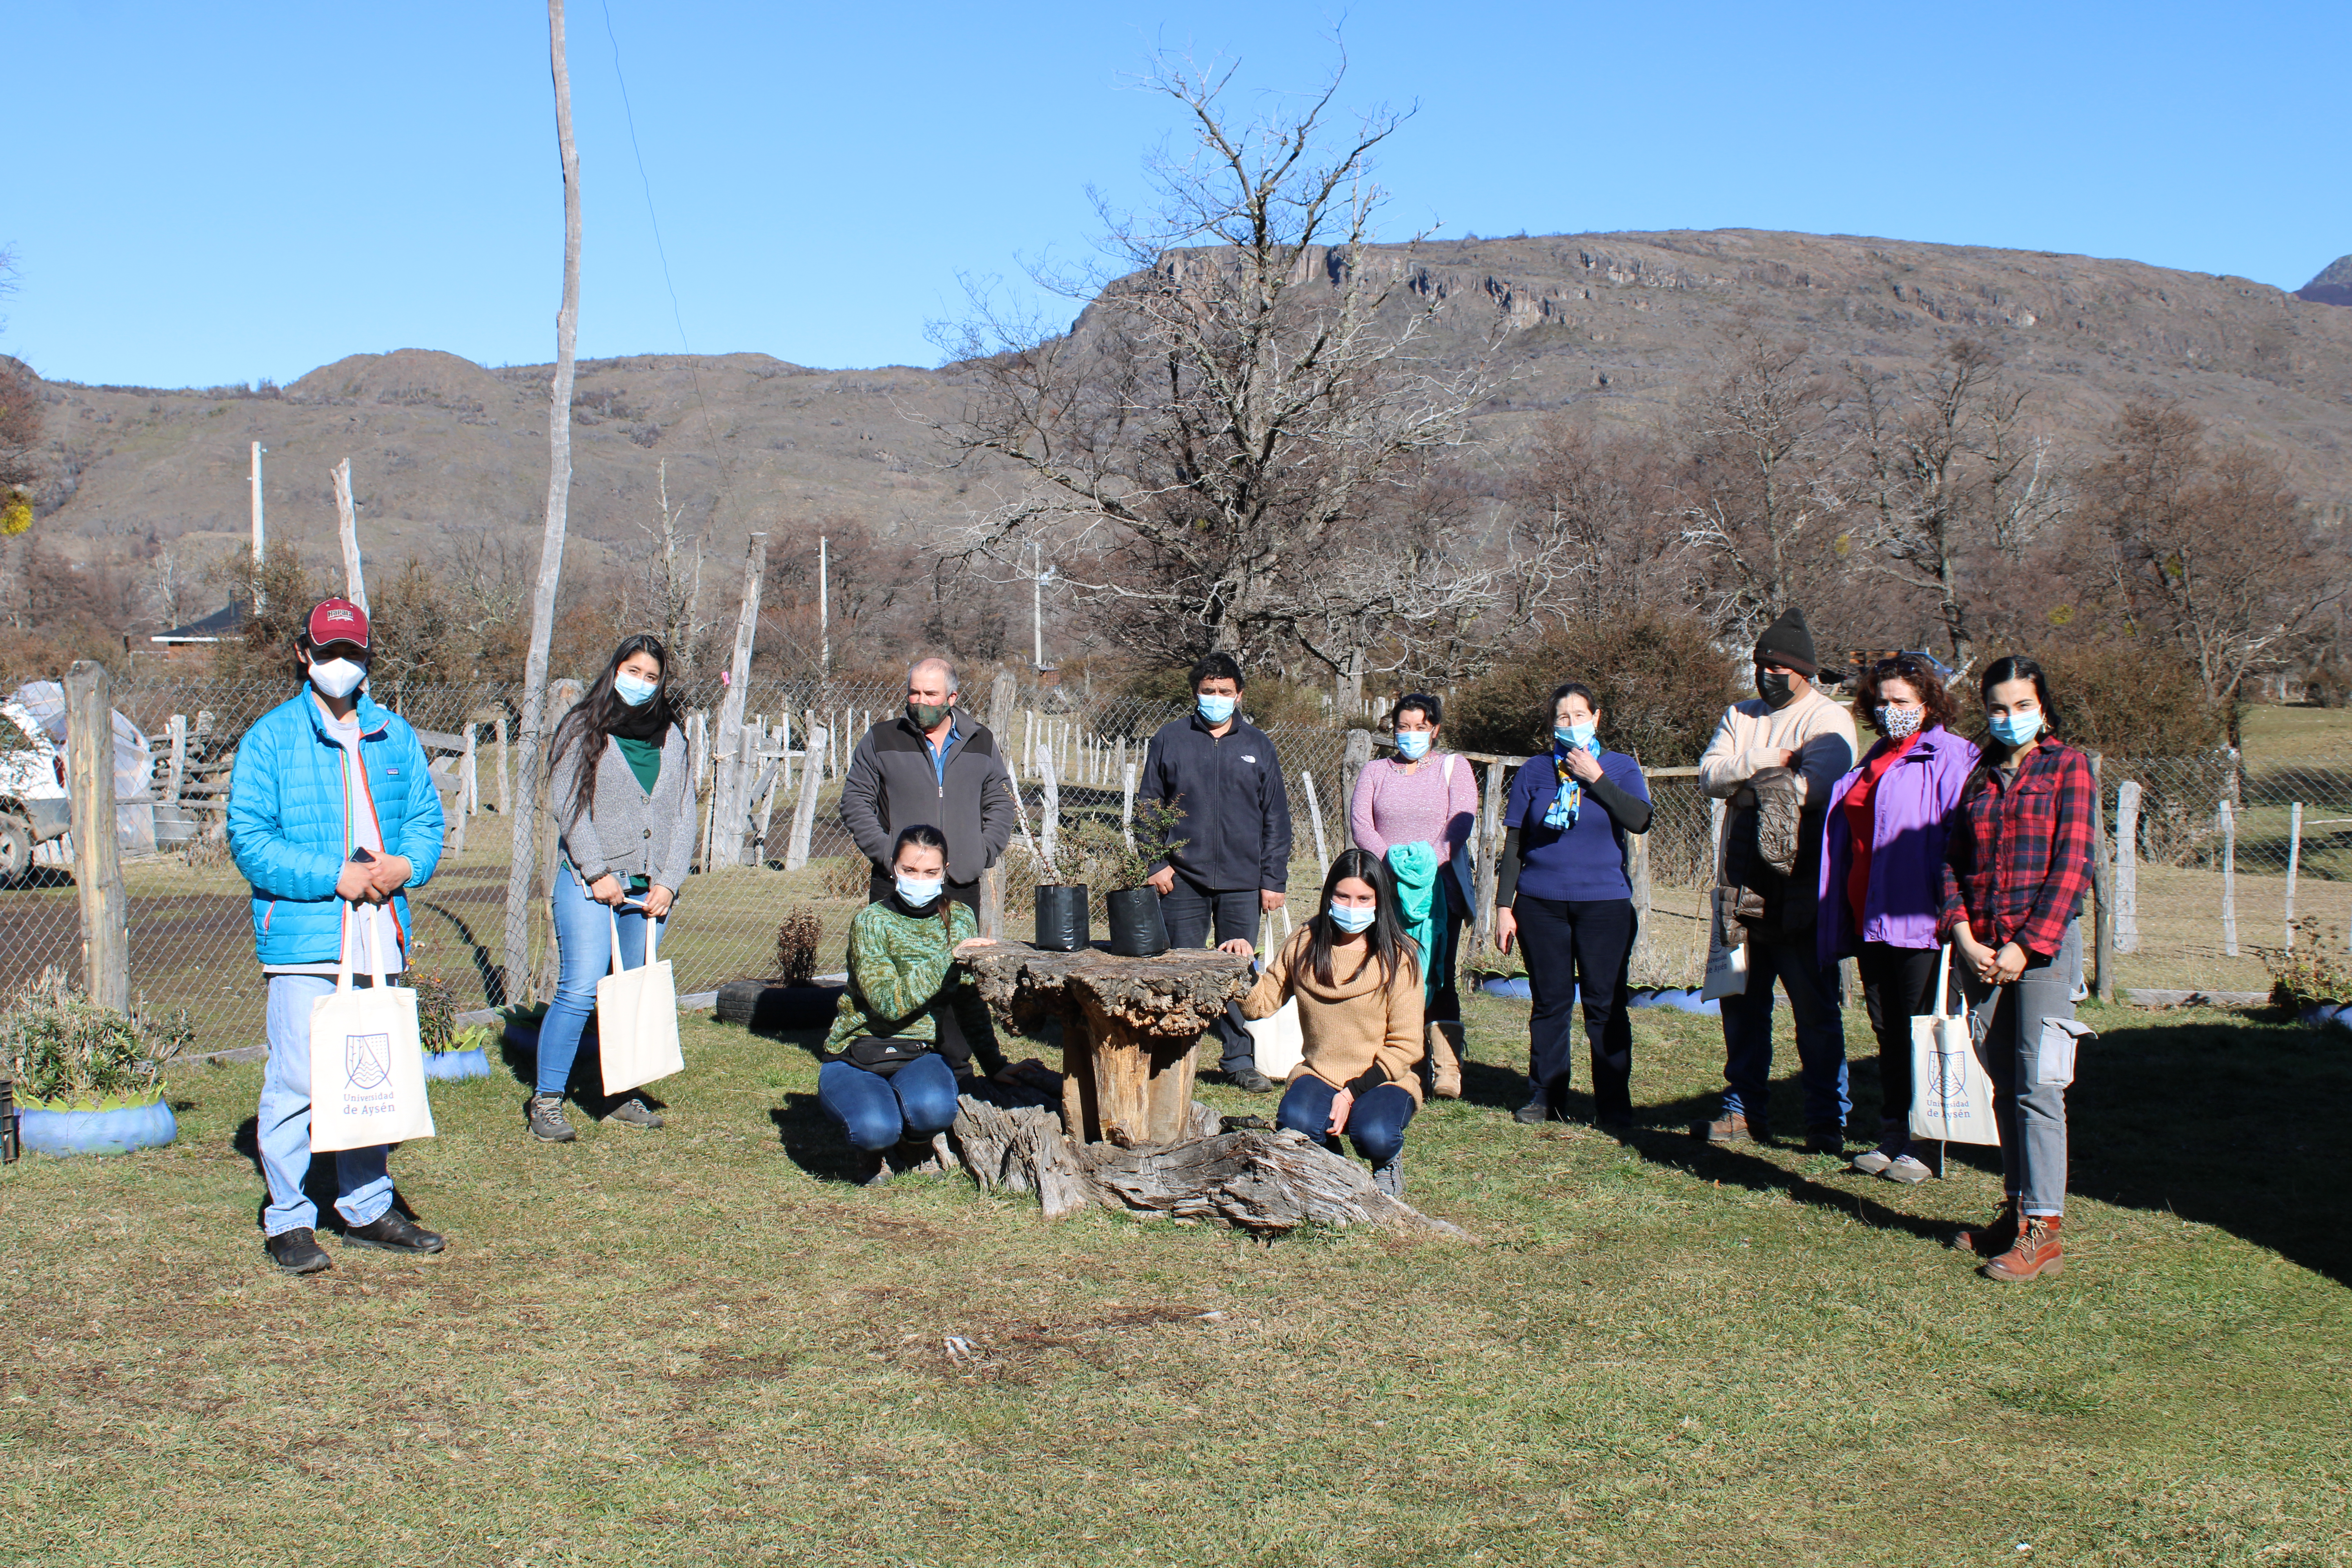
<point x="362" y="1187"/>
<point x="1375" y="1121"/>
<point x="583" y="944"/>
<point x="1189" y="913"/>
<point x="1821" y="1035"/>
<point x="916" y="1101"/>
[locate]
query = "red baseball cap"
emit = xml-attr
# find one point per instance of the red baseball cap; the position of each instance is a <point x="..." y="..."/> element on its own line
<point x="337" y="620"/>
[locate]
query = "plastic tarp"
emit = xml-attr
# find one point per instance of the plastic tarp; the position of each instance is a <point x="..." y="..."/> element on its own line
<point x="134" y="769"/>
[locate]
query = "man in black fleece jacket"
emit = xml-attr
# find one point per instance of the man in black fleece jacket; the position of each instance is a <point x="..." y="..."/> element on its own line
<point x="936" y="763"/>
<point x="1222" y="777"/>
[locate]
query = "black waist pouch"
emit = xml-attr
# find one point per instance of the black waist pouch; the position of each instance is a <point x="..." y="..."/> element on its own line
<point x="883" y="1057"/>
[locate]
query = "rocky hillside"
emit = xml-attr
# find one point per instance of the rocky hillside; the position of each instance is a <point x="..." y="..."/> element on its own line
<point x="447" y="452"/>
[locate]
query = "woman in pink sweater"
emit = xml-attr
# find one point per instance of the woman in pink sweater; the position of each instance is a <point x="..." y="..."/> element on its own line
<point x="1424" y="796"/>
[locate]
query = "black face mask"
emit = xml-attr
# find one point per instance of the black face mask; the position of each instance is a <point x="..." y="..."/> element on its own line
<point x="1772" y="685"/>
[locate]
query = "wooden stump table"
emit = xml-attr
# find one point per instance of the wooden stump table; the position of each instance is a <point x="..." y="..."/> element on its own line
<point x="1129" y="1136"/>
<point x="1130" y="1030"/>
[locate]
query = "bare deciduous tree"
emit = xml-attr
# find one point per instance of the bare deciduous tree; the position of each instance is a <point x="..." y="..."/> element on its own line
<point x="2212" y="546"/>
<point x="671" y="585"/>
<point x="1595" y="529"/>
<point x="1194" y="452"/>
<point x="1947" y="474"/>
<point x="1766" y="447"/>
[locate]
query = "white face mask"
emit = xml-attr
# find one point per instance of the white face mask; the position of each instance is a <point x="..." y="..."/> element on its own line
<point x="916" y="892"/>
<point x="338" y="678"/>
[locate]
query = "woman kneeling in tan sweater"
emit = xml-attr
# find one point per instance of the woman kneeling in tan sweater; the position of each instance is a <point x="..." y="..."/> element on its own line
<point x="1358" y="980"/>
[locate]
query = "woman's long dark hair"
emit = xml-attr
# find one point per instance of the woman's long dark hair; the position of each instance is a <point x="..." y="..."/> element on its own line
<point x="1385" y="942"/>
<point x="593" y="718"/>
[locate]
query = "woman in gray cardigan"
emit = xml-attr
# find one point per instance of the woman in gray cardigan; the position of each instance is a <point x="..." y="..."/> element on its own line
<point x="623" y="797"/>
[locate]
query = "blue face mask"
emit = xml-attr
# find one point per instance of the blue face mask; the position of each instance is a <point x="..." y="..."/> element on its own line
<point x="634" y="691"/>
<point x="1412" y="744"/>
<point x="1574" y="735"/>
<point x="916" y="892"/>
<point x="2017" y="729"/>
<point x="1216" y="710"/>
<point x="1350" y="919"/>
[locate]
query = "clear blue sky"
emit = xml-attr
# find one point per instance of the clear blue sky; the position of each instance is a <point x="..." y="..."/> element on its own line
<point x="207" y="194"/>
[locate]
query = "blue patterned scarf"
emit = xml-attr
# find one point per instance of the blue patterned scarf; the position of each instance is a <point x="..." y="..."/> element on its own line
<point x="1570" y="799"/>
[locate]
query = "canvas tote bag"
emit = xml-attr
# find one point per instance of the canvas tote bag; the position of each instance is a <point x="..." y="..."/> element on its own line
<point x="637" y="1017"/>
<point x="1277" y="1045"/>
<point x="367" y="1059"/>
<point x="1951" y="1093"/>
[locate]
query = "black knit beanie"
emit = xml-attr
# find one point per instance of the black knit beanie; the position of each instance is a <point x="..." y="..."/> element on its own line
<point x="1791" y="642"/>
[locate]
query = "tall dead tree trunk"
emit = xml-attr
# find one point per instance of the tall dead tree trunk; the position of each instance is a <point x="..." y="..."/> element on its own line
<point x="550" y="550"/>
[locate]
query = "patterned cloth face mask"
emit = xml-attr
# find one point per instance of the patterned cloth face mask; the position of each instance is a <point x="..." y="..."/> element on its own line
<point x="1895" y="724"/>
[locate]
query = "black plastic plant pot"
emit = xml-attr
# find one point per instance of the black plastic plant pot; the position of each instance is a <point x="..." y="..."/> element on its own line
<point x="1062" y="918"/>
<point x="1136" y="929"/>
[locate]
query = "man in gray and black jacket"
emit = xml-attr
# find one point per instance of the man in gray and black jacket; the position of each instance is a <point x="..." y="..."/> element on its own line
<point x="1232" y="868"/>
<point x="932" y="764"/>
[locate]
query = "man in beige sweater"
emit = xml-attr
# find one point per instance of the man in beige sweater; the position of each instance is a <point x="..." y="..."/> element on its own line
<point x="1790" y="723"/>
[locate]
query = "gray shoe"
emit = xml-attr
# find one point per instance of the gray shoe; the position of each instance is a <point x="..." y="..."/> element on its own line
<point x="634" y="1113"/>
<point x="546" y="1121"/>
<point x="1905" y="1168"/>
<point x="879" y="1169"/>
<point x="1874" y="1162"/>
<point x="1389" y="1178"/>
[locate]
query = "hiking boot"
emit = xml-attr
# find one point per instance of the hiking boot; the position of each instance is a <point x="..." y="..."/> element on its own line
<point x="1989" y="1241"/>
<point x="298" y="1251"/>
<point x="1389" y="1178"/>
<point x="1825" y="1138"/>
<point x="1534" y="1112"/>
<point x="1732" y="1128"/>
<point x="1249" y="1080"/>
<point x="876" y="1166"/>
<point x="633" y="1112"/>
<point x="2037" y="1253"/>
<point x="1905" y="1168"/>
<point x="394" y="1232"/>
<point x="544" y="1116"/>
<point x="1445" y="1059"/>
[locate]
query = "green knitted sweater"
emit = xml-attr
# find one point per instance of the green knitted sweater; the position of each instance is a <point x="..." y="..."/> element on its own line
<point x="902" y="973"/>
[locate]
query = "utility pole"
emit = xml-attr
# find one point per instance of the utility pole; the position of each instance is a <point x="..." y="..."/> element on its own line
<point x="823" y="611"/>
<point x="1037" y="605"/>
<point x="257" y="537"/>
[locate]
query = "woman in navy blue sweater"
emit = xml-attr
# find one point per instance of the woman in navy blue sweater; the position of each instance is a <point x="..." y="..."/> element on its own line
<point x="1562" y="893"/>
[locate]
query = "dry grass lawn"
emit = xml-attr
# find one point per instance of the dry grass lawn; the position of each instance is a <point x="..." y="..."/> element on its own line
<point x="701" y="1345"/>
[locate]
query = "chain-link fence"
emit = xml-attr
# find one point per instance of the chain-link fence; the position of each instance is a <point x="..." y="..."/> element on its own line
<point x="2214" y="857"/>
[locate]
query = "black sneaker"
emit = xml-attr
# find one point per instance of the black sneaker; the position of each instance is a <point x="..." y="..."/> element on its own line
<point x="1249" y="1080"/>
<point x="393" y="1233"/>
<point x="1825" y="1138"/>
<point x="298" y="1252"/>
<point x="1537" y="1109"/>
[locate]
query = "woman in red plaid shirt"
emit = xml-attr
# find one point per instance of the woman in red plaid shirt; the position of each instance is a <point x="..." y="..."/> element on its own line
<point x="2017" y="862"/>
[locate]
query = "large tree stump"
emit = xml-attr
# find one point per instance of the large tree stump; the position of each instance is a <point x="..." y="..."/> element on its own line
<point x="1130" y="1030"/>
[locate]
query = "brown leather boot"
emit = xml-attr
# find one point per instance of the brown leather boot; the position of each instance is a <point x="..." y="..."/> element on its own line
<point x="1732" y="1128"/>
<point x="1445" y="1059"/>
<point x="1993" y="1238"/>
<point x="2036" y="1254"/>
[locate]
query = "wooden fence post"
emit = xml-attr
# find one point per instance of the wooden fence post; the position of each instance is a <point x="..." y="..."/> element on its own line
<point x="2228" y="879"/>
<point x="728" y="781"/>
<point x="1002" y="692"/>
<point x="348" y="525"/>
<point x="97" y="855"/>
<point x="1049" y="807"/>
<point x="1358" y="757"/>
<point x="1126" y="805"/>
<point x="1645" y="960"/>
<point x="1489" y="844"/>
<point x="563" y="696"/>
<point x="506" y="779"/>
<point x="177" y="778"/>
<point x="796" y="852"/>
<point x="2126" y="884"/>
<point x="2294" y="861"/>
<point x="2103" y="888"/>
<point x="1315" y="815"/>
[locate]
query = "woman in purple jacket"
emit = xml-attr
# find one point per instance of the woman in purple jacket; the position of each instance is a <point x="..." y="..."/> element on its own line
<point x="1881" y="876"/>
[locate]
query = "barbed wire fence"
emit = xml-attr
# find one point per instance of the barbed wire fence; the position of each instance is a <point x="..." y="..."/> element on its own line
<point x="2213" y="858"/>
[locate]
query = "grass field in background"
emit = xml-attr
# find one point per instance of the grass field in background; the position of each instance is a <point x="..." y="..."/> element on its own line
<point x="702" y="1345"/>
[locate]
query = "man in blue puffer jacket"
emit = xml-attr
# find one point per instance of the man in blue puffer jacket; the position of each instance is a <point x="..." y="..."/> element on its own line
<point x="332" y="816"/>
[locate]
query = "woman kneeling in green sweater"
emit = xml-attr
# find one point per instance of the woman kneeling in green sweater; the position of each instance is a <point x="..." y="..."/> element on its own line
<point x="908" y="1025"/>
<point x="1358" y="980"/>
